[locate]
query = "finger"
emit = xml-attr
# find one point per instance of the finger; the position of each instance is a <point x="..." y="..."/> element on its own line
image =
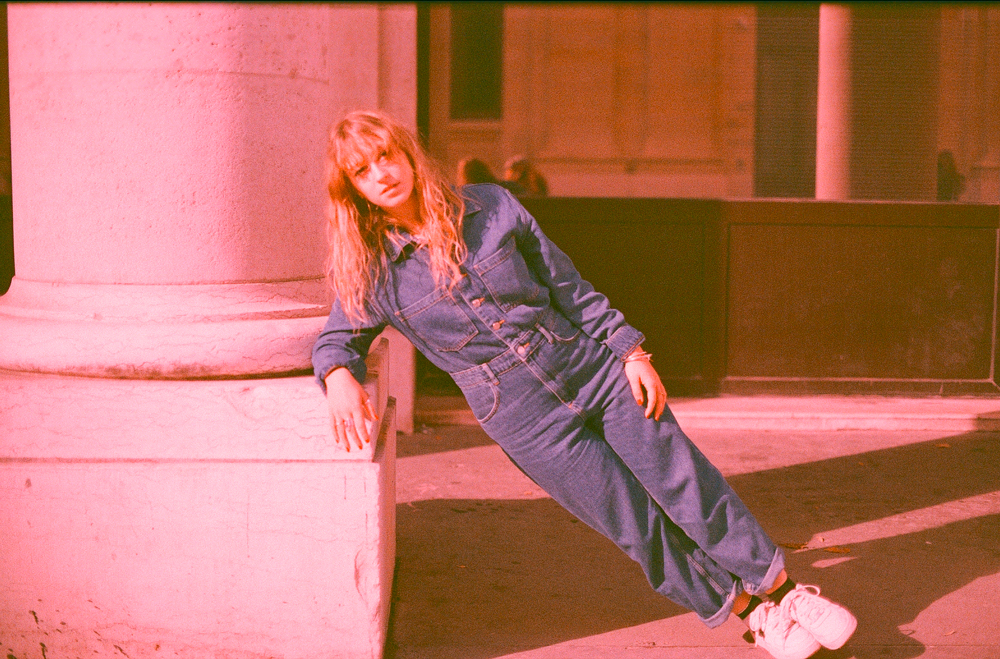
<point x="360" y="427"/>
<point x="636" y="390"/>
<point x="650" y="389"/>
<point x="351" y="431"/>
<point x="345" y="435"/>
<point x="370" y="409"/>
<point x="339" y="435"/>
<point x="661" y="401"/>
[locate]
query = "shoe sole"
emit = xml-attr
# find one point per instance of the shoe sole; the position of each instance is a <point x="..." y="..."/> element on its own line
<point x="839" y="642"/>
<point x="802" y="652"/>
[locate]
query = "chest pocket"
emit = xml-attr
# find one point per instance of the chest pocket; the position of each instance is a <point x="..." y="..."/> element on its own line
<point x="507" y="277"/>
<point x="439" y="321"/>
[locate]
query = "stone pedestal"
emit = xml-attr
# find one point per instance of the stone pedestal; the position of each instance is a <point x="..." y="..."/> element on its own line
<point x="198" y="520"/>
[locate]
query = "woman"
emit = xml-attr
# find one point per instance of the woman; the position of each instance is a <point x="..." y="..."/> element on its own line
<point x="553" y="373"/>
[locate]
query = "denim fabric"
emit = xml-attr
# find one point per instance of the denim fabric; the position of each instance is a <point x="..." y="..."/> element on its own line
<point x="564" y="413"/>
<point x="514" y="276"/>
<point x="536" y="351"/>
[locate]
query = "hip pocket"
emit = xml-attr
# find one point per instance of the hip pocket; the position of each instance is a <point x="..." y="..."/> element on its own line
<point x="483" y="399"/>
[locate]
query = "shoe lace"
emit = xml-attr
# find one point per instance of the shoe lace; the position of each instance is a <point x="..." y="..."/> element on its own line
<point x="770" y="621"/>
<point x="803" y="603"/>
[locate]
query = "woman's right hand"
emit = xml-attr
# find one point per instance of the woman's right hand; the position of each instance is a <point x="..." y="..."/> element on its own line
<point x="350" y="408"/>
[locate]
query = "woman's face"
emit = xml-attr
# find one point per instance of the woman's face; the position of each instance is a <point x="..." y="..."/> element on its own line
<point x="386" y="181"/>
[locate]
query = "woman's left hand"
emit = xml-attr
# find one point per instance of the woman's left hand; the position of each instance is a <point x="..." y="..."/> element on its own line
<point x="646" y="387"/>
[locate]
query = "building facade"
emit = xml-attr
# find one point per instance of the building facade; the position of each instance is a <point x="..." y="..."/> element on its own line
<point x="722" y="100"/>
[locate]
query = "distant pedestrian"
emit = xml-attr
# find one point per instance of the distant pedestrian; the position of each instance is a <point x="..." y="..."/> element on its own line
<point x="552" y="372"/>
<point x="474" y="170"/>
<point x="521" y="172"/>
<point x="950" y="183"/>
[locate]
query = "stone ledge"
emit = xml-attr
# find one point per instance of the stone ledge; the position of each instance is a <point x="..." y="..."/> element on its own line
<point x="787" y="413"/>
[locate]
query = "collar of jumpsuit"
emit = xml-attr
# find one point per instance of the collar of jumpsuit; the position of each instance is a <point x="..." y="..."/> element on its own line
<point x="399" y="243"/>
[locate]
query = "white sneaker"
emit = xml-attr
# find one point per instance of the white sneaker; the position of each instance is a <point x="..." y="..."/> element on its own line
<point x="777" y="633"/>
<point x="830" y="624"/>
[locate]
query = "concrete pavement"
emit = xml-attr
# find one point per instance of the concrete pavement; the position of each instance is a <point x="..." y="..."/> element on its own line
<point x="891" y="506"/>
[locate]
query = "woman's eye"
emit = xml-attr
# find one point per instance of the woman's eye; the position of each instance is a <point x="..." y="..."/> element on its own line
<point x="361" y="171"/>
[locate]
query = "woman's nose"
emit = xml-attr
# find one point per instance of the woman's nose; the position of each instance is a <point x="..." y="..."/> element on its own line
<point x="379" y="172"/>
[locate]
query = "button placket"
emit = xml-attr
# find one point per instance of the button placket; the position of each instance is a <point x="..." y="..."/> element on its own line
<point x="479" y="301"/>
<point x="474" y="296"/>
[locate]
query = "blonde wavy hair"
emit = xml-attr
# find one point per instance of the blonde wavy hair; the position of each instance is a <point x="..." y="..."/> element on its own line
<point x="357" y="260"/>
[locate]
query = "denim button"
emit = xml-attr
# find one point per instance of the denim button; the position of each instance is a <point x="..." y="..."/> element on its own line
<point x="478" y="301"/>
<point x="522" y="349"/>
<point x="497" y="324"/>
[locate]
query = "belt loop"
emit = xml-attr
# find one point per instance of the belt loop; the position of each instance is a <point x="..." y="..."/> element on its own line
<point x="489" y="374"/>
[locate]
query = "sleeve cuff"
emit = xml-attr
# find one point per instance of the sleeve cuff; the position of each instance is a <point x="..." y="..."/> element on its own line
<point x="358" y="368"/>
<point x="624" y="340"/>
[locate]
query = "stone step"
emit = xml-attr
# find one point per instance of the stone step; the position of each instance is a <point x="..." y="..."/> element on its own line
<point x="787" y="413"/>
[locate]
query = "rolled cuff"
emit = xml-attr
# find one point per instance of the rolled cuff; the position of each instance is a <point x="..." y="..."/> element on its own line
<point x="767" y="583"/>
<point x="624" y="340"/>
<point x="777" y="565"/>
<point x="357" y="367"/>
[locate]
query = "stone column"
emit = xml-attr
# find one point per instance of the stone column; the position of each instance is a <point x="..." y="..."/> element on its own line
<point x="877" y="102"/>
<point x="833" y="106"/>
<point x="160" y="156"/>
<point x="984" y="179"/>
<point x="168" y="479"/>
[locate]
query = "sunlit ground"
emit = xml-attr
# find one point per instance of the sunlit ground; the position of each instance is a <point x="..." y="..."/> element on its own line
<point x="902" y="527"/>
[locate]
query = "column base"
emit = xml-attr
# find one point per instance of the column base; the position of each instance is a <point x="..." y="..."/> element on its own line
<point x="191" y="519"/>
<point x="186" y="331"/>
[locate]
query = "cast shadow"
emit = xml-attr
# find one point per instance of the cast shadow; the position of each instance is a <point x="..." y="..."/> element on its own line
<point x="510" y="575"/>
<point x="890" y="580"/>
<point x="887" y="583"/>
<point x="515" y="575"/>
<point x="440" y="439"/>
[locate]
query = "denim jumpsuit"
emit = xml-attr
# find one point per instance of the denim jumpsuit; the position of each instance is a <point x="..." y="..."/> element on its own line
<point x="537" y="353"/>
